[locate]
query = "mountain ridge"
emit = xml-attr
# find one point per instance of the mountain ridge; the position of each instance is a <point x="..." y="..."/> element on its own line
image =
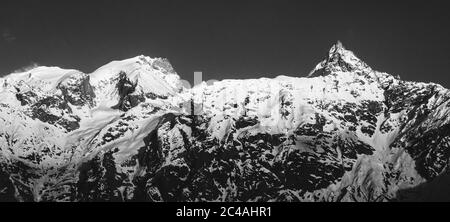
<point x="130" y="131"/>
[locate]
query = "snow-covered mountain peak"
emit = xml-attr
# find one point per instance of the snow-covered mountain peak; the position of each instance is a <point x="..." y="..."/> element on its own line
<point x="134" y="68"/>
<point x="42" y="78"/>
<point x="140" y="76"/>
<point x="339" y="59"/>
<point x="339" y="52"/>
<point x="338" y="47"/>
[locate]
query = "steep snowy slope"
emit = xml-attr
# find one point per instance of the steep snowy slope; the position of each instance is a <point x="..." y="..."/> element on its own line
<point x="125" y="83"/>
<point x="129" y="131"/>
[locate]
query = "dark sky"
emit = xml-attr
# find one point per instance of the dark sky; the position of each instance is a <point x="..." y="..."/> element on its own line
<point x="228" y="39"/>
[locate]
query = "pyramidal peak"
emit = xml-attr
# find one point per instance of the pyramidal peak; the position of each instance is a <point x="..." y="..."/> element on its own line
<point x="338" y="47"/>
<point x="339" y="52"/>
<point x="339" y="59"/>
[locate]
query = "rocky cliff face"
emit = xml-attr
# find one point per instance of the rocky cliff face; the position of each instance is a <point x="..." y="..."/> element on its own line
<point x="131" y="132"/>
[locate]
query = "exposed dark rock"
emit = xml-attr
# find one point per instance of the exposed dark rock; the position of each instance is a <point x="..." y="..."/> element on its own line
<point x="78" y="90"/>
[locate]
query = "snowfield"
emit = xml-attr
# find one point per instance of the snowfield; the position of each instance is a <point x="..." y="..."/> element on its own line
<point x="130" y="131"/>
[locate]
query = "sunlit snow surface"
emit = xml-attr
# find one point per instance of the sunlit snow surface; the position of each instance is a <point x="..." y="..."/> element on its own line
<point x="130" y="131"/>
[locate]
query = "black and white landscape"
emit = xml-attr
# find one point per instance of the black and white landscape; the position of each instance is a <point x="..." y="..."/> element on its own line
<point x="130" y="131"/>
<point x="97" y="101"/>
